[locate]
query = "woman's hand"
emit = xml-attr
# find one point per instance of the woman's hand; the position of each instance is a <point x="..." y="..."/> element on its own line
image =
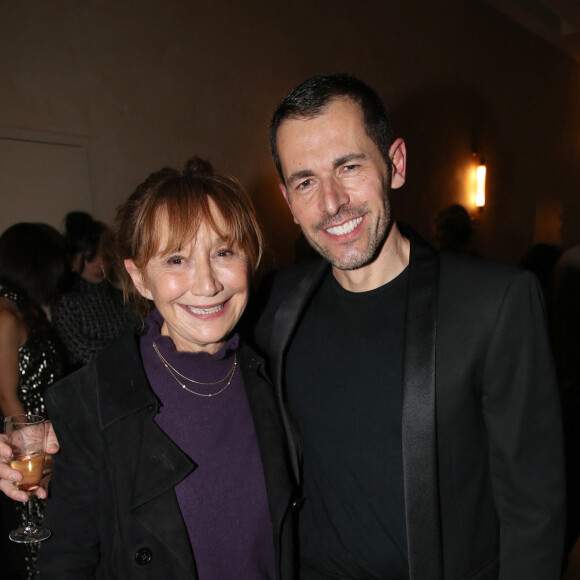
<point x="9" y="476"/>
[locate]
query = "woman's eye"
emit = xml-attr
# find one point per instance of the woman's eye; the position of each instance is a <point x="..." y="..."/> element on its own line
<point x="225" y="252"/>
<point x="176" y="260"/>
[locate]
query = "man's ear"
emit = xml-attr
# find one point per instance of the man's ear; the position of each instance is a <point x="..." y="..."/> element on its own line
<point x="137" y="278"/>
<point x="285" y="194"/>
<point x="398" y="157"/>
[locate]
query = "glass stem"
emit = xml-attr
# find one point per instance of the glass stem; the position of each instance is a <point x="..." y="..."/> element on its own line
<point x="29" y="526"/>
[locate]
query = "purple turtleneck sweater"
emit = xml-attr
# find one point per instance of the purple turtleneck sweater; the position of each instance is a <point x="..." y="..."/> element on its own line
<point x="223" y="501"/>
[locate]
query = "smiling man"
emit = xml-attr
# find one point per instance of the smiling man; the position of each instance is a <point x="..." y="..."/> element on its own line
<point x="417" y="389"/>
<point x="339" y="195"/>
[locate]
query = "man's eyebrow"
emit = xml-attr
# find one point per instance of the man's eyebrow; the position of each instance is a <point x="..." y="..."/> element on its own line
<point x="302" y="174"/>
<point x="345" y="159"/>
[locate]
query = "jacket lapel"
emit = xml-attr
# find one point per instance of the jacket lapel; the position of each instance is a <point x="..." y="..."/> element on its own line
<point x="155" y="465"/>
<point x="419" y="416"/>
<point x="269" y="434"/>
<point x="162" y="465"/>
<point x="285" y="321"/>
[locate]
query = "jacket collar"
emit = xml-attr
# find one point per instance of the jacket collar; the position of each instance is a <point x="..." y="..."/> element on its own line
<point x="123" y="390"/>
<point x="286" y="318"/>
<point x="119" y="364"/>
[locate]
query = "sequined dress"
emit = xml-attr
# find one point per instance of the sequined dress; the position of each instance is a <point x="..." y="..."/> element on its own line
<point x="40" y="363"/>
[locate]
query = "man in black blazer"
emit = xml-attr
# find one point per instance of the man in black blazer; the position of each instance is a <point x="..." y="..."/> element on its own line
<point x="417" y="389"/>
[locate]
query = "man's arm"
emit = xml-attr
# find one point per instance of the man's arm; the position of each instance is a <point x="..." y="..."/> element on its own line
<point x="522" y="413"/>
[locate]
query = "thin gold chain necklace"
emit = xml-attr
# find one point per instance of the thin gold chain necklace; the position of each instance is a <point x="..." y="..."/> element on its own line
<point x="175" y="373"/>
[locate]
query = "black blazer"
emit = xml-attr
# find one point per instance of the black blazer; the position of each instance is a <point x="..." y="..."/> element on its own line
<point x="482" y="449"/>
<point x="112" y="510"/>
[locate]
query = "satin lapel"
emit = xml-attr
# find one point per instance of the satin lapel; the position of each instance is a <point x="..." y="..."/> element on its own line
<point x="419" y="416"/>
<point x="285" y="321"/>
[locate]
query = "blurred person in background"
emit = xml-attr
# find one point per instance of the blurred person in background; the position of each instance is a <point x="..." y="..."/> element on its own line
<point x="90" y="312"/>
<point x="32" y="267"/>
<point x="541" y="259"/>
<point x="453" y="229"/>
<point x="564" y="310"/>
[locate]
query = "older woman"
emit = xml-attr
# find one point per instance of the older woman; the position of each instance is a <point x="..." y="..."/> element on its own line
<point x="173" y="461"/>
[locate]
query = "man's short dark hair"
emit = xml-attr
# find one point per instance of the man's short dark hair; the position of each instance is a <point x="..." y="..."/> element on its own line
<point x="311" y="97"/>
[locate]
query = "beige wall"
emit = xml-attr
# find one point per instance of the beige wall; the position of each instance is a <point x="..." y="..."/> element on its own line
<point x="149" y="83"/>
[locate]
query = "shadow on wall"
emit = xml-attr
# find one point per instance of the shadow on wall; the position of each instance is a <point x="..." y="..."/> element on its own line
<point x="280" y="230"/>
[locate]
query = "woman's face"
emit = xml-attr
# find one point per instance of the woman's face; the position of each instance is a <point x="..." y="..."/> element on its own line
<point x="200" y="289"/>
<point x="90" y="270"/>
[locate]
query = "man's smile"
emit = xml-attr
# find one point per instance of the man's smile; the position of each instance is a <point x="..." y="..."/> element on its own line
<point x="345" y="228"/>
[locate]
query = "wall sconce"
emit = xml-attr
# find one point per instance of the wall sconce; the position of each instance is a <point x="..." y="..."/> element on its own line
<point x="479" y="194"/>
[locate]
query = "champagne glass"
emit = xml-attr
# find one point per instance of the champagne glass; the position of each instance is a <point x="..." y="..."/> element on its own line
<point x="27" y="437"/>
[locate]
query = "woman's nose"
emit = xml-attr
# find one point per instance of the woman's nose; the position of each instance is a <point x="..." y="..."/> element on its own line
<point x="204" y="280"/>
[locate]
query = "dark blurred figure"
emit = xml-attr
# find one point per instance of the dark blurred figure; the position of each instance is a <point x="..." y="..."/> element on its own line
<point x="541" y="259"/>
<point x="453" y="229"/>
<point x="32" y="268"/>
<point x="564" y="310"/>
<point x="91" y="312"/>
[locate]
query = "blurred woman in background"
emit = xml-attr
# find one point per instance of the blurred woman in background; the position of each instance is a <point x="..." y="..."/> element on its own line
<point x="32" y="267"/>
<point x="90" y="313"/>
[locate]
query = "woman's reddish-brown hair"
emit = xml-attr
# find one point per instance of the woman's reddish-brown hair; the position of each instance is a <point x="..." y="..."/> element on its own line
<point x="183" y="199"/>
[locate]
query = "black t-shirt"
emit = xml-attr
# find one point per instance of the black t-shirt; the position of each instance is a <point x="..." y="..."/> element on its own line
<point x="344" y="389"/>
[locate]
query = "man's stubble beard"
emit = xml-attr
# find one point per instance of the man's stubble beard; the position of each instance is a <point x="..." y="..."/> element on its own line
<point x="357" y="258"/>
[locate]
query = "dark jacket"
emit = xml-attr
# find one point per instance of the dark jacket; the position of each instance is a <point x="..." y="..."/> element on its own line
<point x="482" y="450"/>
<point x="113" y="510"/>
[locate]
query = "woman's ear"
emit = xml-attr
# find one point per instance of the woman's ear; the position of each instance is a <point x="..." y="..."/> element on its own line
<point x="137" y="278"/>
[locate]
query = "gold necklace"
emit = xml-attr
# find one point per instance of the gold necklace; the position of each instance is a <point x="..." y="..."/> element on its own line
<point x="174" y="373"/>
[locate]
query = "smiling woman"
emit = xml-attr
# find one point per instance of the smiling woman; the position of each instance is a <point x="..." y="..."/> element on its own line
<point x="172" y="450"/>
<point x="195" y="243"/>
<point x="200" y="287"/>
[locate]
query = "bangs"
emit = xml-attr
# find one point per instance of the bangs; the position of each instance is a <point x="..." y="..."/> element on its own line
<point x="183" y="210"/>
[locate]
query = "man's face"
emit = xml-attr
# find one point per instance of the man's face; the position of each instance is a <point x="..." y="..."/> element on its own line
<point x="336" y="184"/>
